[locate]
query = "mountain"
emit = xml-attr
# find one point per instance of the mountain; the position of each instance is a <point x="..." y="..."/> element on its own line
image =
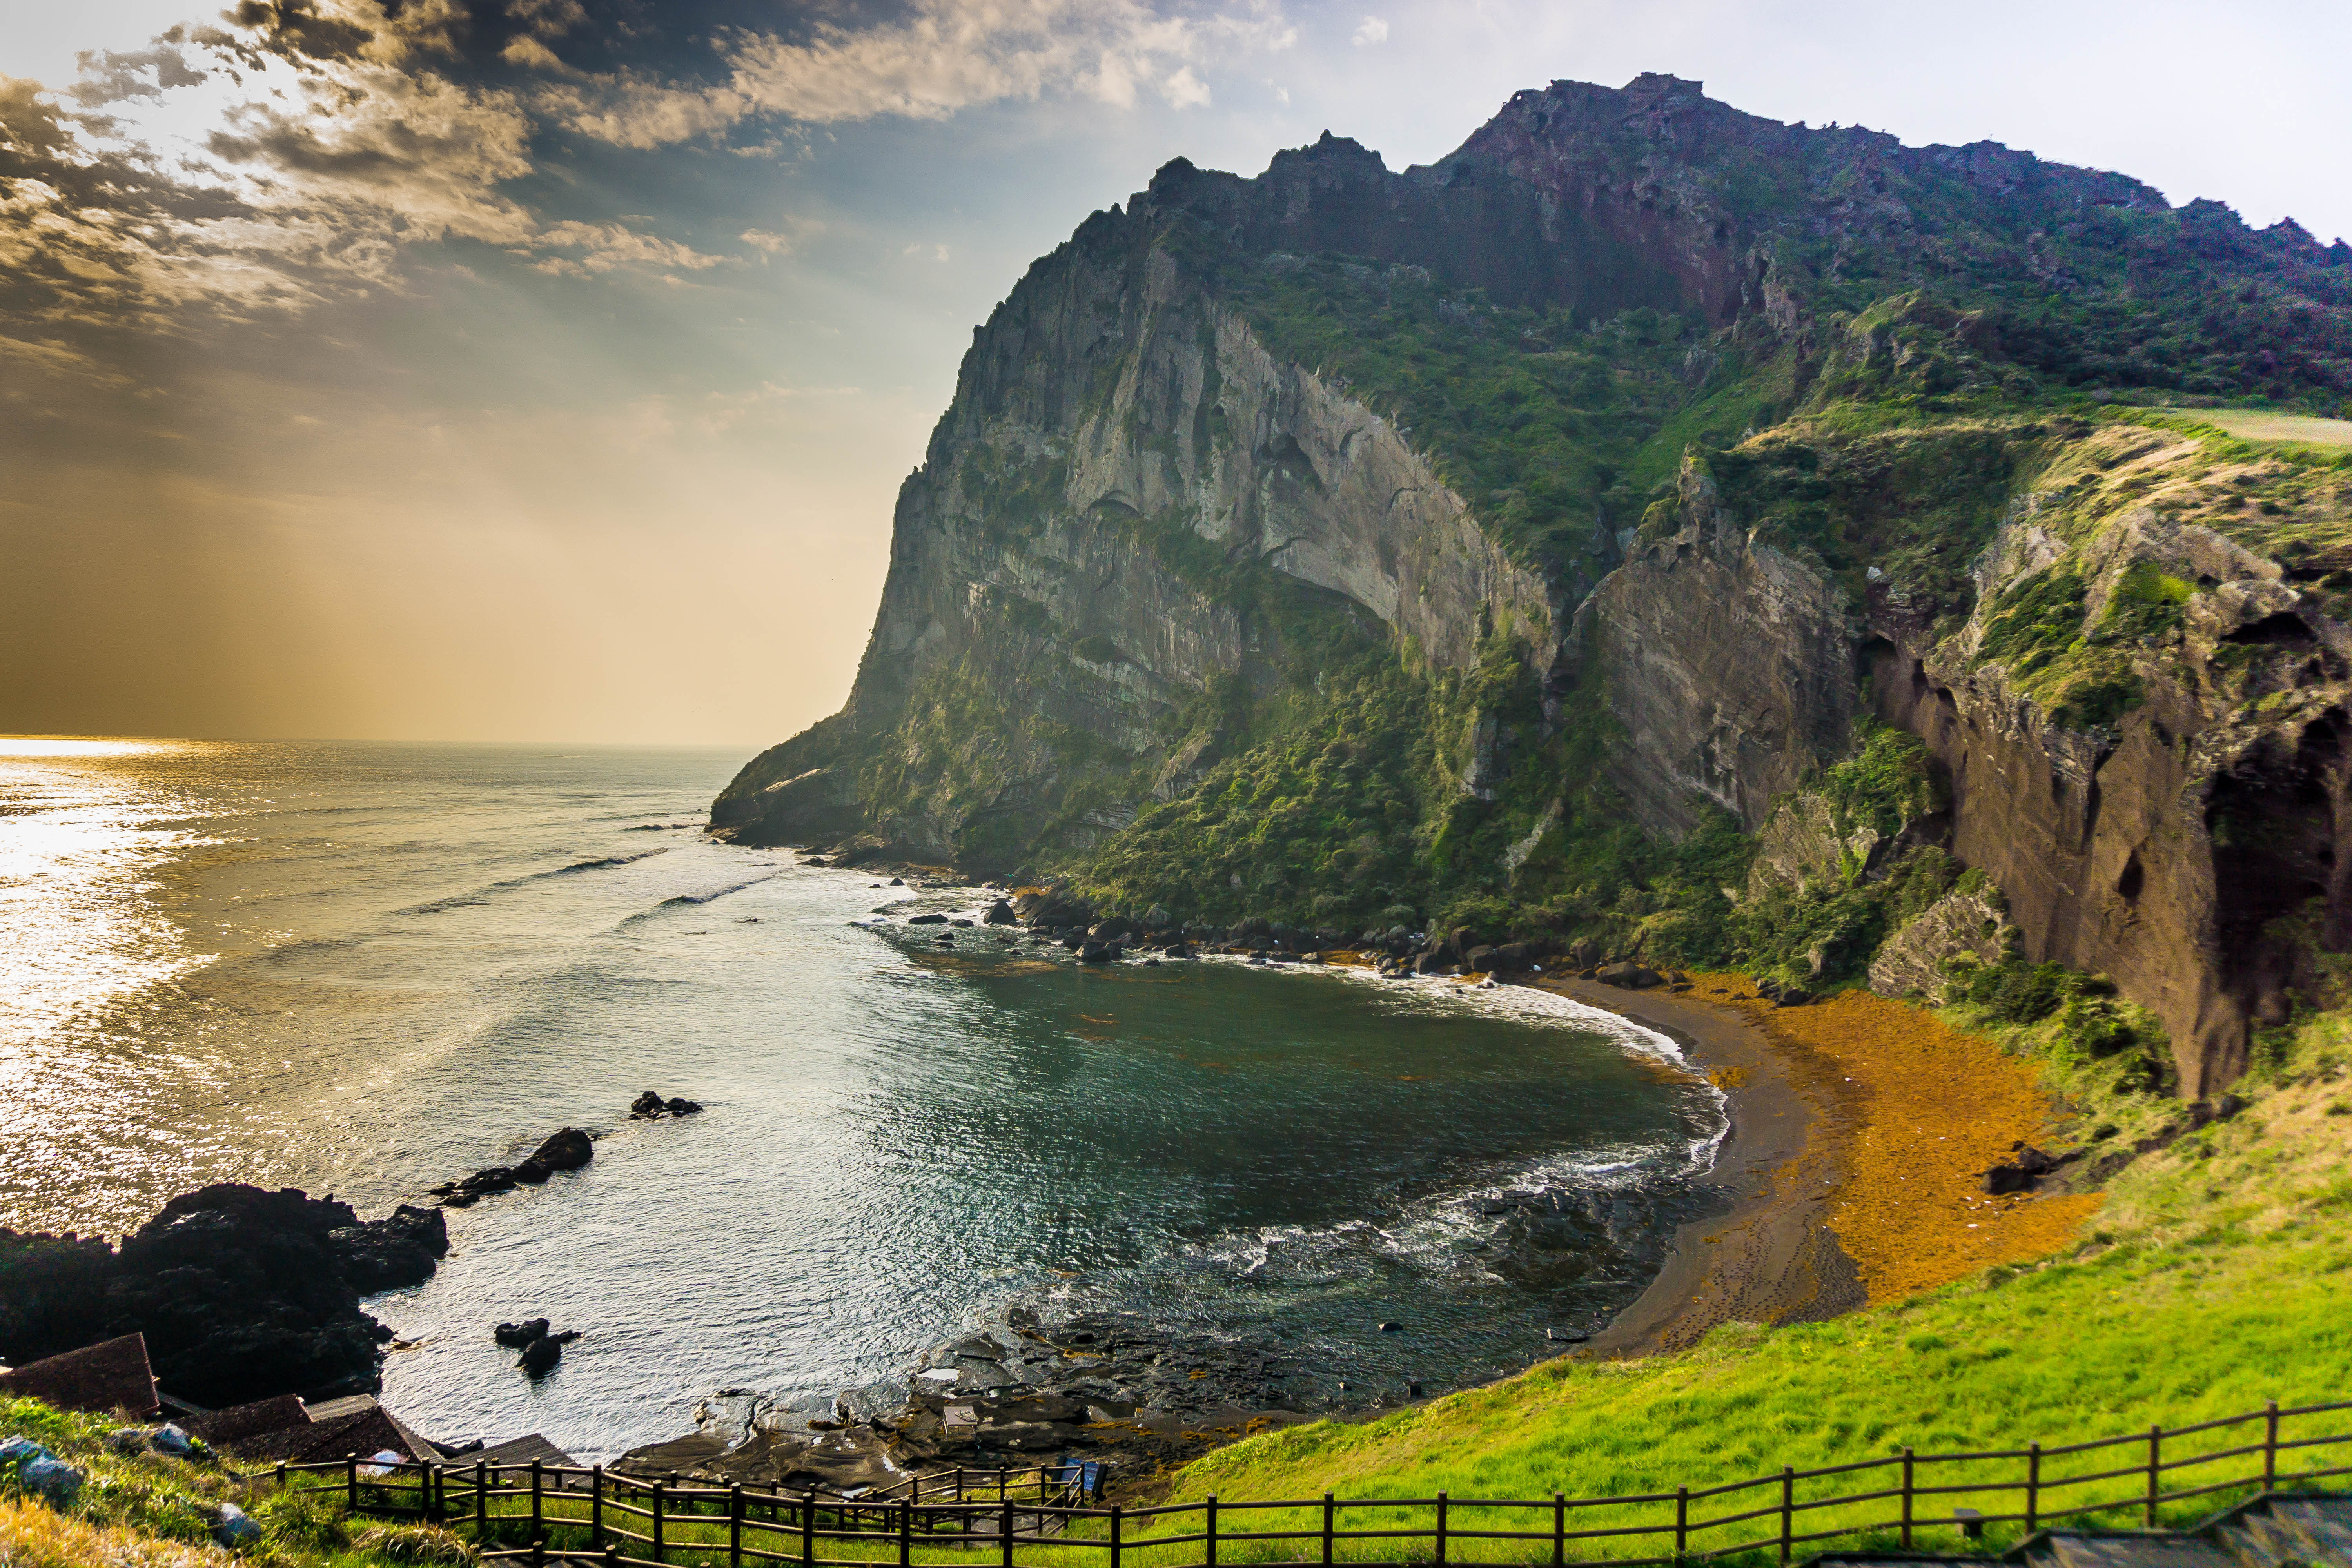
<point x="1653" y="526"/>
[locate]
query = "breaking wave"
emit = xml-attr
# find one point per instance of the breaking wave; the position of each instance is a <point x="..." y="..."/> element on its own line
<point x="483" y="894"/>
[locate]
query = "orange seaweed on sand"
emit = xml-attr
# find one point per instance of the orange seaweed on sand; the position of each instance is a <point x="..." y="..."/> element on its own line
<point x="1919" y="1112"/>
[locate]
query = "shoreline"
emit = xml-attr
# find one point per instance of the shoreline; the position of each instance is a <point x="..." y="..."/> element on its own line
<point x="1859" y="1130"/>
<point x="1771" y="1258"/>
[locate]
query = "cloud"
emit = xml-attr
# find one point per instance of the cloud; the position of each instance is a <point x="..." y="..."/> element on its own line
<point x="300" y="151"/>
<point x="285" y="160"/>
<point x="528" y="52"/>
<point x="599" y="247"/>
<point x="1374" y="31"/>
<point x="786" y="242"/>
<point x="1185" y="90"/>
<point x="940" y="57"/>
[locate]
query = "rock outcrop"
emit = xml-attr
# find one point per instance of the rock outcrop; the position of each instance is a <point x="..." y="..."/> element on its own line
<point x="241" y="1293"/>
<point x="1970" y="920"/>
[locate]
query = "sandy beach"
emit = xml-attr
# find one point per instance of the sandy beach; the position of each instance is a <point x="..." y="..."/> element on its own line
<point x="1860" y="1128"/>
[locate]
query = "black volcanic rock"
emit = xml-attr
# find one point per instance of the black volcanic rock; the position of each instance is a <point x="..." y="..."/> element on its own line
<point x="400" y="1249"/>
<point x="565" y="1151"/>
<point x="242" y="1293"/>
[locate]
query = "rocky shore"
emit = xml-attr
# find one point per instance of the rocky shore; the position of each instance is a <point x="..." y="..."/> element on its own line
<point x="241" y="1293"/>
<point x="244" y="1294"/>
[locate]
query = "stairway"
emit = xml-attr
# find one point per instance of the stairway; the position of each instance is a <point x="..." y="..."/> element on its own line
<point x="2277" y="1529"/>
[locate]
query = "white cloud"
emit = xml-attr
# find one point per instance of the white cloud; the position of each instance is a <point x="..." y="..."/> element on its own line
<point x="599" y="248"/>
<point x="1375" y="30"/>
<point x="1185" y="90"/>
<point x="944" y="57"/>
<point x="785" y="241"/>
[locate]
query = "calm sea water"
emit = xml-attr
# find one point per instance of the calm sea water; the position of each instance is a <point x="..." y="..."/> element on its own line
<point x="367" y="969"/>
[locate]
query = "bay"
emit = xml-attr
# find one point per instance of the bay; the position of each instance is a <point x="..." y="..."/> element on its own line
<point x="365" y="969"/>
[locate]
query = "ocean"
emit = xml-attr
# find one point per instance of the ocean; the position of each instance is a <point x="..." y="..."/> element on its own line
<point x="366" y="969"/>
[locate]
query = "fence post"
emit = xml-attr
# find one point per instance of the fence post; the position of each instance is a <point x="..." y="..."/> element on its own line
<point x="537" y="1496"/>
<point x="657" y="1529"/>
<point x="1004" y="1496"/>
<point x="1788" y="1510"/>
<point x="2270" y="1445"/>
<point x="1210" y="1556"/>
<point x="1907" y="1500"/>
<point x="481" y="1501"/>
<point x="1441" y="1530"/>
<point x="2155" y="1472"/>
<point x="2032" y="1488"/>
<point x="281" y="1475"/>
<point x="1682" y="1522"/>
<point x="959" y="1483"/>
<point x="1328" y="1510"/>
<point x="538" y="1553"/>
<point x="1559" y="1529"/>
<point x="808" y="1529"/>
<point x="351" y="1483"/>
<point x="1115" y="1515"/>
<point x="907" y="1534"/>
<point x="596" y="1509"/>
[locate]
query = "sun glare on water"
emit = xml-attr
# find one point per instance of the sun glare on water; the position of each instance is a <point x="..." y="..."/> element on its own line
<point x="79" y="847"/>
<point x="35" y="748"/>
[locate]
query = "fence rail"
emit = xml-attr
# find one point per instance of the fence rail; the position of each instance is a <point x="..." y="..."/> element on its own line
<point x="1040" y="1517"/>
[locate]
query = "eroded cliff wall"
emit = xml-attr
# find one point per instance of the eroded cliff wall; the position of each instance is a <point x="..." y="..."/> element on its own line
<point x="1063" y="574"/>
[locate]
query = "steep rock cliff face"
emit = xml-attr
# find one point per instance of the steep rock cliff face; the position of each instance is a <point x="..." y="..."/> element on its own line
<point x="2164" y="845"/>
<point x="1729" y="664"/>
<point x="1062" y="586"/>
<point x="1492" y="545"/>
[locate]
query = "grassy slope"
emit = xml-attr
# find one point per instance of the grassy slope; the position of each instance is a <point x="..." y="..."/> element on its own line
<point x="2211" y="1284"/>
<point x="148" y="1511"/>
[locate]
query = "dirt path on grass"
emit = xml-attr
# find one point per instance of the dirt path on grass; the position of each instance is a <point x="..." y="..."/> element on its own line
<point x="1860" y="1128"/>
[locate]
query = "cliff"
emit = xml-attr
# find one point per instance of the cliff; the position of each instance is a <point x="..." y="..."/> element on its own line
<point x="1651" y="526"/>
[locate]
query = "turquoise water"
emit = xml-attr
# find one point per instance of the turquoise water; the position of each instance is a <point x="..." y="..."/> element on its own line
<point x="367" y="969"/>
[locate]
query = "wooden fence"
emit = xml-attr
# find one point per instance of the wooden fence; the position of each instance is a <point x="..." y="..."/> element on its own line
<point x="1036" y="1518"/>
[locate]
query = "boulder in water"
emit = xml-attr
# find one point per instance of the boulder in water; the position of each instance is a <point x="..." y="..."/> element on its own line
<point x="565" y="1151"/>
<point x="399" y="1250"/>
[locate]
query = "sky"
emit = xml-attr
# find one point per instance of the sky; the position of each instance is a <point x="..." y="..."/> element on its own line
<point x="545" y="370"/>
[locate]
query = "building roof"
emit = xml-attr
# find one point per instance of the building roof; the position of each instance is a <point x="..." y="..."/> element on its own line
<point x="240" y="1424"/>
<point x="107" y="1377"/>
